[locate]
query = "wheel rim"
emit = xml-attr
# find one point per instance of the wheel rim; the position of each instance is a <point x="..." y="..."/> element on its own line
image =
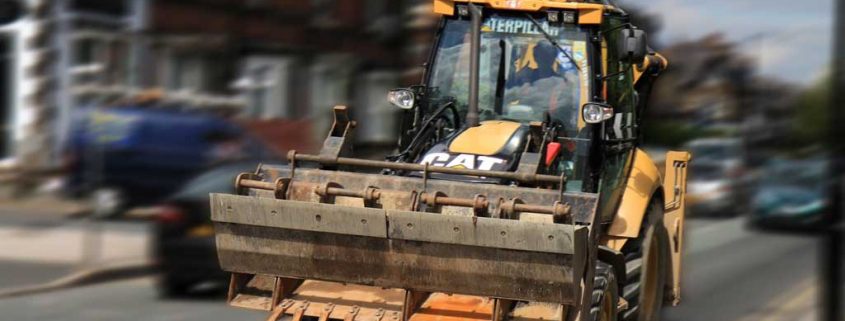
<point x="648" y="292"/>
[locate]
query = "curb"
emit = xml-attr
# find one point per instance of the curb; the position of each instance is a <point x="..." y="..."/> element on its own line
<point x="84" y="277"/>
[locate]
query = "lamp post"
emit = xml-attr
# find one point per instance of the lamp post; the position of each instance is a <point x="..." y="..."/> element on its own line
<point x="831" y="261"/>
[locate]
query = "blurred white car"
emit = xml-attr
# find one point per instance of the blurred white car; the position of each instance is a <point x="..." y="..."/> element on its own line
<point x="718" y="180"/>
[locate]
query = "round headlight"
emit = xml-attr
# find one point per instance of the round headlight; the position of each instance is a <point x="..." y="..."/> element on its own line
<point x="402" y="98"/>
<point x="595" y="113"/>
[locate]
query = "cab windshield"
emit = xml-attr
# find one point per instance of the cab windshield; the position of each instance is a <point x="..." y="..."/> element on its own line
<point x="523" y="76"/>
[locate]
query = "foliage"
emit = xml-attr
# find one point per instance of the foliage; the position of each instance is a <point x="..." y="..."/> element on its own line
<point x="811" y="113"/>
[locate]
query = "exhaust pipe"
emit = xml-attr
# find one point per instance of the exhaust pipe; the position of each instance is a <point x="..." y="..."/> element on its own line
<point x="475" y="44"/>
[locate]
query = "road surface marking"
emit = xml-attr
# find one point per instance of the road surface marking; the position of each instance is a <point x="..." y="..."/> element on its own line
<point x="790" y="306"/>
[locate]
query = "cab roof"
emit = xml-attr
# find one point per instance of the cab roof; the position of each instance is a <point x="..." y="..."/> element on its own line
<point x="588" y="12"/>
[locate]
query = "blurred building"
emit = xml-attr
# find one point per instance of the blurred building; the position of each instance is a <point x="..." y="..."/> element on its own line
<point x="263" y="60"/>
<point x="712" y="89"/>
<point x="771" y="117"/>
<point x="707" y="82"/>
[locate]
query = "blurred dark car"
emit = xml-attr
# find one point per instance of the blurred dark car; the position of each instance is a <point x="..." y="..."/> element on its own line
<point x="184" y="243"/>
<point x="792" y="192"/>
<point x="129" y="156"/>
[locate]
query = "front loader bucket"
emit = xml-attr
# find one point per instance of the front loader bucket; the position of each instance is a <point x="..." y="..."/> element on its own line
<point x="402" y="233"/>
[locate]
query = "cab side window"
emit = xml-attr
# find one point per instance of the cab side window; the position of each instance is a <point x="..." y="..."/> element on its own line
<point x="620" y="92"/>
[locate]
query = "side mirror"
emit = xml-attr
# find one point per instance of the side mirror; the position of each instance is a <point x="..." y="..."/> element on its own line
<point x="402" y="98"/>
<point x="632" y="45"/>
<point x="595" y="113"/>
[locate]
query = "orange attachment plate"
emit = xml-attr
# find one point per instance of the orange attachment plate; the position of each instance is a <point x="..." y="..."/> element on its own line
<point x="445" y="307"/>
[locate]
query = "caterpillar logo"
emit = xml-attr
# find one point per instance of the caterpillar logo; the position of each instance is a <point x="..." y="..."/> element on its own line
<point x="517" y="26"/>
<point x="462" y="161"/>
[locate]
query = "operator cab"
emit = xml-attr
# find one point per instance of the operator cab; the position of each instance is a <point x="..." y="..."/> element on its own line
<point x="534" y="69"/>
<point x="523" y="76"/>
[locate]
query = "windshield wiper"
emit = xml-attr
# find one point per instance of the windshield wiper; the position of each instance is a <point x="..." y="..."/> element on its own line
<point x="552" y="41"/>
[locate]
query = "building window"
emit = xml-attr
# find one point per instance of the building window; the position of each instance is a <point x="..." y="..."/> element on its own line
<point x="323" y="12"/>
<point x="186" y="73"/>
<point x="111" y="7"/>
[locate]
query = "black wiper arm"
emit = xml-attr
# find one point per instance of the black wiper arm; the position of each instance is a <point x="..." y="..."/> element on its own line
<point x="552" y="40"/>
<point x="500" y="80"/>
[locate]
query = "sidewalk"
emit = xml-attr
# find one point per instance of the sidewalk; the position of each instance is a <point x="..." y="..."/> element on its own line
<point x="44" y="206"/>
<point x="83" y="243"/>
<point x="44" y="240"/>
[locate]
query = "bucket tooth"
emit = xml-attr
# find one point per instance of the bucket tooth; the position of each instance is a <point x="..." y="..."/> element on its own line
<point x="335" y="301"/>
<point x="277" y="313"/>
<point x="259" y="292"/>
<point x="327" y="311"/>
<point x="297" y="316"/>
<point x="350" y="316"/>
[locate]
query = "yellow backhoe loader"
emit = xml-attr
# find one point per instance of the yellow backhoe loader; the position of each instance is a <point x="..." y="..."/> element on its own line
<point x="518" y="191"/>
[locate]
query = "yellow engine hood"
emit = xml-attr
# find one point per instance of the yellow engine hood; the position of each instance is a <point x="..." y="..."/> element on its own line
<point x="486" y="139"/>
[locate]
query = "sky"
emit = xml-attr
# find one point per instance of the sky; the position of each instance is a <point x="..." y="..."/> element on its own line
<point x="790" y="39"/>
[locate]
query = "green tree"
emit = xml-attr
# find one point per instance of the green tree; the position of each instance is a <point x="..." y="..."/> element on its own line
<point x="811" y="122"/>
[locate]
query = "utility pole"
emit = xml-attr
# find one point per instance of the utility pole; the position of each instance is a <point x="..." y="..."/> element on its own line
<point x="831" y="262"/>
<point x="138" y="20"/>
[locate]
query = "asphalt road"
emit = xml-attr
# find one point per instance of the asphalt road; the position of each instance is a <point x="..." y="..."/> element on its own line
<point x="730" y="274"/>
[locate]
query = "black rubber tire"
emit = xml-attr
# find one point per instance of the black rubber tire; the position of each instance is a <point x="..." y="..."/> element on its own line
<point x="605" y="295"/>
<point x="637" y="251"/>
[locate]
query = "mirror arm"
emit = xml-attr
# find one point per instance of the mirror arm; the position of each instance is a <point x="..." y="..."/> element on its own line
<point x="624" y="25"/>
<point x="606" y="77"/>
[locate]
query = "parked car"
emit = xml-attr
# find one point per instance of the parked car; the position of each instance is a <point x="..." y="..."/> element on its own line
<point x="129" y="156"/>
<point x="719" y="182"/>
<point x="726" y="150"/>
<point x="184" y="243"/>
<point x="791" y="193"/>
<point x="711" y="191"/>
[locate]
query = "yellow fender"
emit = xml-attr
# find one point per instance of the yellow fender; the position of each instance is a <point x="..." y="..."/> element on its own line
<point x="643" y="182"/>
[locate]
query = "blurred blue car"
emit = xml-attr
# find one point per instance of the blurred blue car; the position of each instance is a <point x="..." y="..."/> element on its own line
<point x="791" y="192"/>
<point x="130" y="156"/>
